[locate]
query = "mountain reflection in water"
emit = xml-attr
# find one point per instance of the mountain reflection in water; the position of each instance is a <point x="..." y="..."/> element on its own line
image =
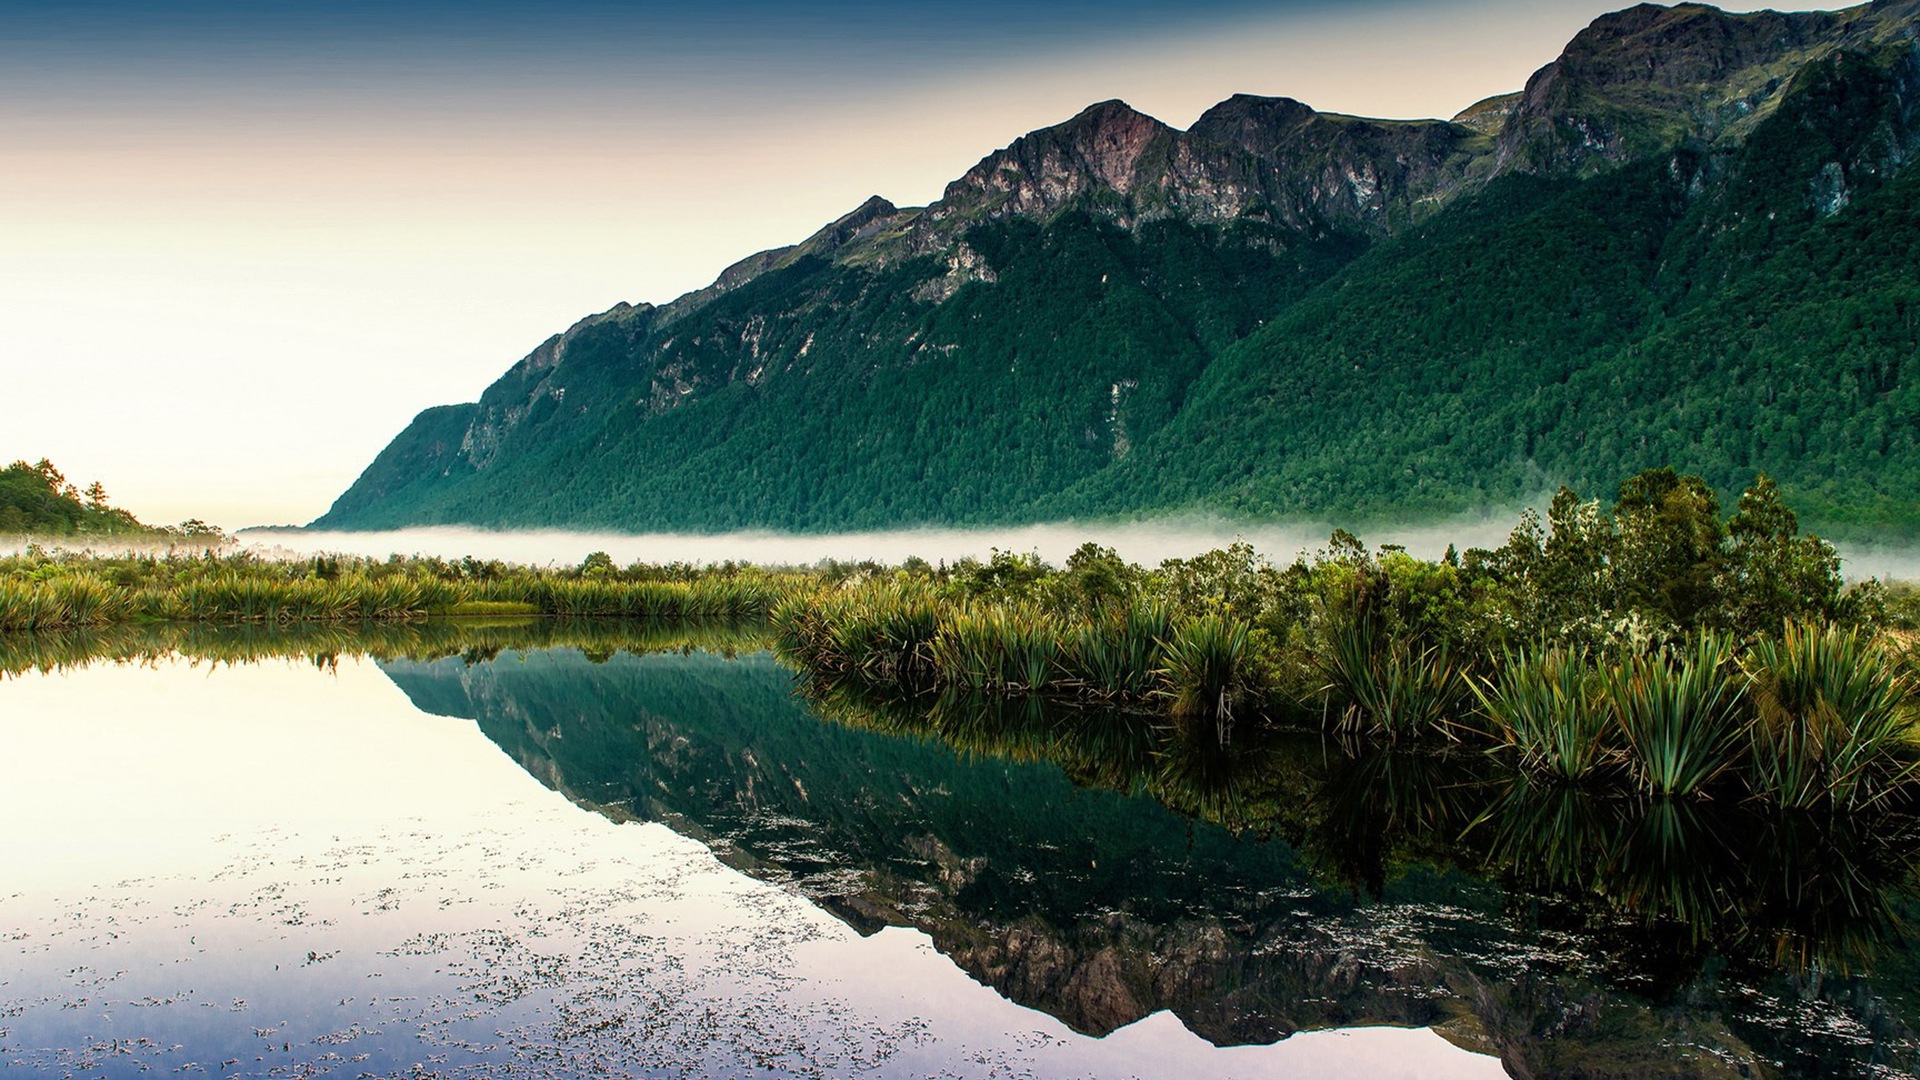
<point x="1103" y="866"/>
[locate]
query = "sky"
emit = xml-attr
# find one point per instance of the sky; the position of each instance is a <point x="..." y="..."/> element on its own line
<point x="243" y="242"/>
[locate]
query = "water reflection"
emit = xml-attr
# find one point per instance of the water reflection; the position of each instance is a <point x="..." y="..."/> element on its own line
<point x="274" y="870"/>
<point x="1790" y="890"/>
<point x="474" y="640"/>
<point x="1104" y="866"/>
<point x="1774" y="941"/>
<point x="1097" y="907"/>
<point x="1799" y="893"/>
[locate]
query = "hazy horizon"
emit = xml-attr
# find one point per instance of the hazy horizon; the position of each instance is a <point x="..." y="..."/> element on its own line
<point x="251" y="242"/>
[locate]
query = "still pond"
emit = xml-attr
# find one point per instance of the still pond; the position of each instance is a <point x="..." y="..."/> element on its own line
<point x="525" y="850"/>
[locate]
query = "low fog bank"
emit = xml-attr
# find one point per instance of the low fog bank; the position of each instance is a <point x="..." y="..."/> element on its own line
<point x="1145" y="542"/>
<point x="1863" y="559"/>
<point x="106" y="547"/>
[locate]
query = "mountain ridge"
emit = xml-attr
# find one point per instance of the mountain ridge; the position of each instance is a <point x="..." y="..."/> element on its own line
<point x="1055" y="309"/>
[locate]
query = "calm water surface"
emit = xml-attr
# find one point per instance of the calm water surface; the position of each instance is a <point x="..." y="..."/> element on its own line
<point x="546" y="859"/>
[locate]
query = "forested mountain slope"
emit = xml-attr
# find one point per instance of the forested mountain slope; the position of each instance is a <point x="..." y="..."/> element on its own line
<point x="1691" y="241"/>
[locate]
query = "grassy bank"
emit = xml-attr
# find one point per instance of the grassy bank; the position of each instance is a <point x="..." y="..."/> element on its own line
<point x="1650" y="646"/>
<point x="40" y="593"/>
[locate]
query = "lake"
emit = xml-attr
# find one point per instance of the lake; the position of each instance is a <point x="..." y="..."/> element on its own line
<point x="535" y="849"/>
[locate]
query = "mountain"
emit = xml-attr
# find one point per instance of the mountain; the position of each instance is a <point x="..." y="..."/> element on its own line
<point x="1688" y="240"/>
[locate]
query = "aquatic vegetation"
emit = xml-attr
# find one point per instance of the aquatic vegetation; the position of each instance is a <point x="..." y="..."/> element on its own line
<point x="1680" y="714"/>
<point x="998" y="648"/>
<point x="1547" y="706"/>
<point x="1832" y="718"/>
<point x="1390" y="687"/>
<point x="41" y="593"/>
<point x="1207" y="662"/>
<point x="883" y="636"/>
<point x="1119" y="654"/>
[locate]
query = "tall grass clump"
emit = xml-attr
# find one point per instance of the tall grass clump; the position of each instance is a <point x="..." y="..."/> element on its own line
<point x="1680" y="714"/>
<point x="89" y="601"/>
<point x="26" y="605"/>
<point x="1831" y="720"/>
<point x="1547" y="706"/>
<point x="1207" y="666"/>
<point x="59" y="604"/>
<point x="882" y="635"/>
<point x="1391" y="687"/>
<point x="903" y="629"/>
<point x="1119" y="654"/>
<point x="998" y="648"/>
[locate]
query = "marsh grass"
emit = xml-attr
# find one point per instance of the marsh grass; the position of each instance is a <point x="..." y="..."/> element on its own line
<point x="1002" y="648"/>
<point x="1547" y="706"/>
<point x="38" y="595"/>
<point x="1832" y="719"/>
<point x="1207" y="667"/>
<point x="1389" y="687"/>
<point x="1119" y="654"/>
<point x="1680" y="714"/>
<point x="903" y="635"/>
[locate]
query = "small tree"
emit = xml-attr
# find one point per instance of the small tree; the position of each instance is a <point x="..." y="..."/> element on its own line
<point x="54" y="478"/>
<point x="1772" y="573"/>
<point x="1669" y="556"/>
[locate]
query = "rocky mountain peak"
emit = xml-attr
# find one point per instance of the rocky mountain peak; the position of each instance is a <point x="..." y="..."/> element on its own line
<point x="1649" y="77"/>
<point x="1633" y="83"/>
<point x="1102" y="147"/>
<point x="1251" y="122"/>
<point x="851" y="224"/>
<point x="1488" y="115"/>
<point x="1101" y="128"/>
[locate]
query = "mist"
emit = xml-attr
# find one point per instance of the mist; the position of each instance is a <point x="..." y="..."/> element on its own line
<point x="1145" y="542"/>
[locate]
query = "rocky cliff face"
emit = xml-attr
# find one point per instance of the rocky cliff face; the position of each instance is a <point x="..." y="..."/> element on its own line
<point x="1644" y="80"/>
<point x="1271" y="159"/>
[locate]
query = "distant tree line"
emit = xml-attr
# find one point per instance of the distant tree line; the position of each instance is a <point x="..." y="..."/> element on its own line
<point x="38" y="501"/>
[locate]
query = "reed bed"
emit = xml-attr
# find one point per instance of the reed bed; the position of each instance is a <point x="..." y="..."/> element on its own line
<point x="1815" y="717"/>
<point x="1128" y="655"/>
